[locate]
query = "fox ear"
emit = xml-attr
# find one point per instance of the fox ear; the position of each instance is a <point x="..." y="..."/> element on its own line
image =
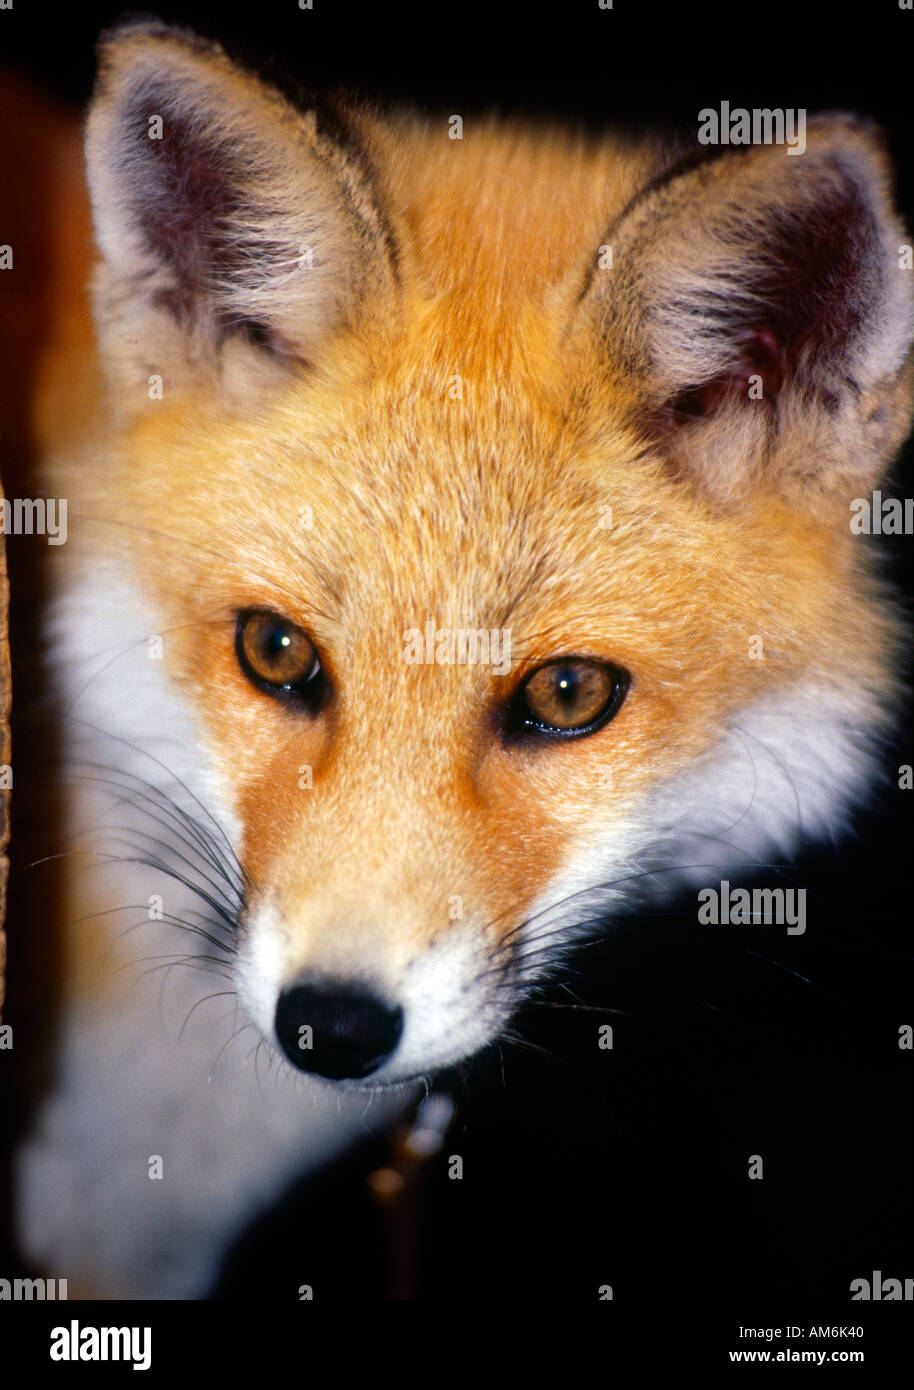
<point x="762" y="306"/>
<point x="226" y="219"/>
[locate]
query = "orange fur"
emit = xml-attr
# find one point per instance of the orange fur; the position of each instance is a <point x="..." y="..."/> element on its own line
<point x="482" y="511"/>
<point x="400" y="385"/>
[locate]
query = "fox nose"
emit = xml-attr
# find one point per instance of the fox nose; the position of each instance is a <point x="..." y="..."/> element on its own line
<point x="335" y="1030"/>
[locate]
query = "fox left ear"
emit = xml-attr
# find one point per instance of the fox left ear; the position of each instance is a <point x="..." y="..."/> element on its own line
<point x="761" y="307"/>
<point x="236" y="232"/>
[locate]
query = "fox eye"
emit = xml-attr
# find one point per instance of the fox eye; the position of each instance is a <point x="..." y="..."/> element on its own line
<point x="573" y="696"/>
<point x="276" y="656"/>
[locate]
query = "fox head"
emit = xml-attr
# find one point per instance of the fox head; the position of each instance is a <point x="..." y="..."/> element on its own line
<point x="491" y="498"/>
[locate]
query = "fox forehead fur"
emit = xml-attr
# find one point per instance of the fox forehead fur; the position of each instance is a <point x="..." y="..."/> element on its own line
<point x="403" y="382"/>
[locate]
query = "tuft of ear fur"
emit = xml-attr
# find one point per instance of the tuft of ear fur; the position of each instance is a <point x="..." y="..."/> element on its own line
<point x="226" y="218"/>
<point x="759" y="308"/>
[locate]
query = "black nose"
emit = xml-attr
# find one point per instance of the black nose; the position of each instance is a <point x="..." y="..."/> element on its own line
<point x="335" y="1030"/>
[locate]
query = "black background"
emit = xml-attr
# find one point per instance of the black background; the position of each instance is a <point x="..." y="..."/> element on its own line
<point x="628" y="1167"/>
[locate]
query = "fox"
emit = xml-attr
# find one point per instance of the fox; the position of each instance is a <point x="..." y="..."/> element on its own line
<point x="458" y="550"/>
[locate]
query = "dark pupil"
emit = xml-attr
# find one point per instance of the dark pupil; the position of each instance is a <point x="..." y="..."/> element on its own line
<point x="276" y="642"/>
<point x="567" y="684"/>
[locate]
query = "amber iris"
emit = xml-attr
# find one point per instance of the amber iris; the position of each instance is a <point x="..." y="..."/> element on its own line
<point x="274" y="653"/>
<point x="572" y="695"/>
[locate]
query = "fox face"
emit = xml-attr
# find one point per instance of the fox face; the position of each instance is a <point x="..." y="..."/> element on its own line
<point x="486" y="502"/>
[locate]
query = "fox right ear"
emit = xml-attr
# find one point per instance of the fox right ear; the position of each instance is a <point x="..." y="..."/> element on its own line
<point x="761" y="309"/>
<point x="225" y="216"/>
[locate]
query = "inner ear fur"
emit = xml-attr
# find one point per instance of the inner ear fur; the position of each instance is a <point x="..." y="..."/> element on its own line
<point x="759" y="309"/>
<point x="222" y="212"/>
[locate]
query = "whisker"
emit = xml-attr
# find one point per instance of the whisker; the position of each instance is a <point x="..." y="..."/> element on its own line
<point x="218" y="994"/>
